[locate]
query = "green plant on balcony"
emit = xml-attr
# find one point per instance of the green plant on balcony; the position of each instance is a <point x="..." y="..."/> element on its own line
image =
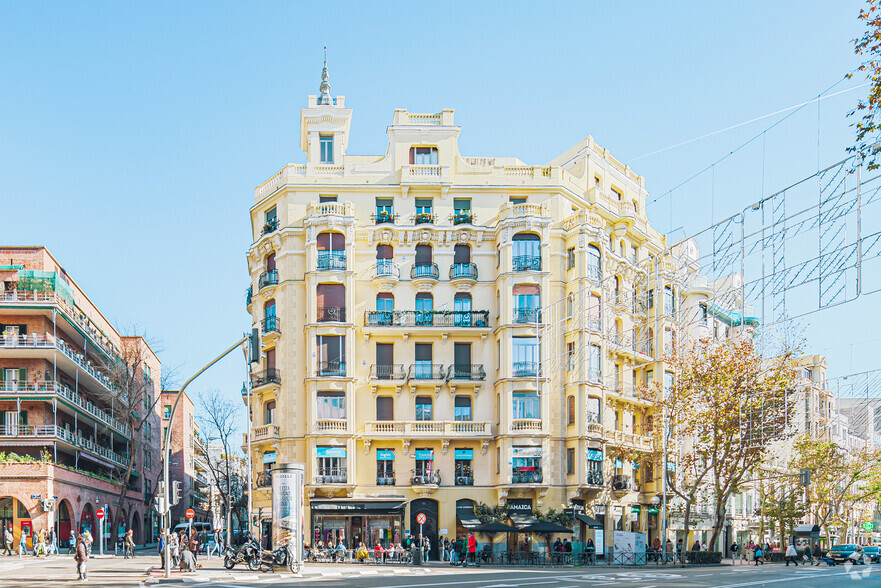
<point x="461" y="217"/>
<point x="424" y="217"/>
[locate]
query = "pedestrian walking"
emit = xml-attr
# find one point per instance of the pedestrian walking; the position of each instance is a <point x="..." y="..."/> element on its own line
<point x="22" y="544"/>
<point x="87" y="539"/>
<point x="129" y="544"/>
<point x="791" y="555"/>
<point x="53" y="542"/>
<point x="759" y="556"/>
<point x="40" y="545"/>
<point x="818" y="554"/>
<point x="175" y="540"/>
<point x="194" y="545"/>
<point x="7" y="541"/>
<point x="81" y="557"/>
<point x="472" y="548"/>
<point x="71" y="542"/>
<point x="162" y="539"/>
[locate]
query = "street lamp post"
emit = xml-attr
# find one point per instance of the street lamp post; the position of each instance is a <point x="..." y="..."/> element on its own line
<point x="166" y="446"/>
<point x="246" y="390"/>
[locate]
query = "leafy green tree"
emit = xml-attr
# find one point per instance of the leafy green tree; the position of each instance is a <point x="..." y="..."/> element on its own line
<point x="868" y="125"/>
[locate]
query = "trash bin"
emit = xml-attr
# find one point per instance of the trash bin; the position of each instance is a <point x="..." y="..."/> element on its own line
<point x="417" y="557"/>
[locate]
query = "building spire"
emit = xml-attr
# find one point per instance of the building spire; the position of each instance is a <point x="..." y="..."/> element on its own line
<point x="325" y="98"/>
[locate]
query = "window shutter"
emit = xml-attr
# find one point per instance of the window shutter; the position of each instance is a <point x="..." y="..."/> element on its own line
<point x="23" y="375"/>
<point x="412" y="155"/>
<point x="526" y="290"/>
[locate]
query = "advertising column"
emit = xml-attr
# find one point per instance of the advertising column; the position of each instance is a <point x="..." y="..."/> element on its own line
<point x="287" y="506"/>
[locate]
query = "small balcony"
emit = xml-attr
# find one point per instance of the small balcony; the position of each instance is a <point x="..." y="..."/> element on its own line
<point x="269" y="278"/>
<point x="335" y="368"/>
<point x="527" y="316"/>
<point x="265" y="433"/>
<point x="270" y="325"/>
<point x="427" y="371"/>
<point x="526" y="263"/>
<point x="593" y="478"/>
<point x="249" y="295"/>
<point x="526" y="425"/>
<point x="463" y="217"/>
<point x="426" y="271"/>
<point x="622" y="483"/>
<point x="467" y="372"/>
<point x="269" y="226"/>
<point x="386" y="269"/>
<point x="383" y="217"/>
<point x="263" y="479"/>
<point x="331" y="476"/>
<point x="264" y="377"/>
<point x="521" y="476"/>
<point x="331" y="314"/>
<point x="463" y="271"/>
<point x="331" y="426"/>
<point x="464" y="480"/>
<point x="328" y="261"/>
<point x="433" y="479"/>
<point x="526" y="369"/>
<point x="425" y="218"/>
<point x="426" y="318"/>
<point x="385" y="481"/>
<point x="387" y="372"/>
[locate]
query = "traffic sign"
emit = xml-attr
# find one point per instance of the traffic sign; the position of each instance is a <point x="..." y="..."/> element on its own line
<point x="100" y="513"/>
<point x="420" y="518"/>
<point x="190" y="513"/>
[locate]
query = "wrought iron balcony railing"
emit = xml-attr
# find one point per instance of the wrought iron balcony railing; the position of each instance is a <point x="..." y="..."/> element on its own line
<point x="473" y="372"/>
<point x="331" y="261"/>
<point x="424" y="218"/>
<point x="269" y="278"/>
<point x="433" y="478"/>
<point x="463" y="271"/>
<point x="426" y="318"/>
<point x="269" y="226"/>
<point x="267" y="376"/>
<point x="383" y="217"/>
<point x="385" y="481"/>
<point x="621" y="483"/>
<point x="522" y="477"/>
<point x="386" y="268"/>
<point x="462" y="218"/>
<point x="526" y="369"/>
<point x="594" y="478"/>
<point x="331" y="476"/>
<point x="425" y="270"/>
<point x="527" y="315"/>
<point x="387" y="371"/>
<point x="427" y="371"/>
<point x="331" y="314"/>
<point x="271" y="325"/>
<point x="464" y="480"/>
<point x="263" y="479"/>
<point x="522" y="263"/>
<point x="332" y="368"/>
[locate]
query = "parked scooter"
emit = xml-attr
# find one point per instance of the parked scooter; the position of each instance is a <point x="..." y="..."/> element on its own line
<point x="242" y="555"/>
<point x="265" y="560"/>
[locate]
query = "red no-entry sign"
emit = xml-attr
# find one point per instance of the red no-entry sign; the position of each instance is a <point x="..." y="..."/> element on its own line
<point x="420" y="518"/>
<point x="190" y="513"/>
<point x="100" y="513"/>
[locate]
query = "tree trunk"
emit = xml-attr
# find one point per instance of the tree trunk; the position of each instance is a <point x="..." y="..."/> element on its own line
<point x="122" y="494"/>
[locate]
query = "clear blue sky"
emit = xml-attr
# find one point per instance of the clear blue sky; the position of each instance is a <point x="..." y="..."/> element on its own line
<point x="132" y="135"/>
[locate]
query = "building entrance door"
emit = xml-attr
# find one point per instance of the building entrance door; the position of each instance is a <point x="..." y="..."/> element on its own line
<point x="429" y="508"/>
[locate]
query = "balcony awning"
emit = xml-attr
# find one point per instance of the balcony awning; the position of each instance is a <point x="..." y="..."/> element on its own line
<point x="465" y="514"/>
<point x="590" y="522"/>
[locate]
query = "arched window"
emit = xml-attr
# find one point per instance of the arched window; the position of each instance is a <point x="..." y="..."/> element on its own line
<point x="270" y="262"/>
<point x="594" y="265"/>
<point x="461" y="254"/>
<point x="527" y="252"/>
<point x="384" y="251"/>
<point x="385" y="263"/>
<point x="423" y="266"/>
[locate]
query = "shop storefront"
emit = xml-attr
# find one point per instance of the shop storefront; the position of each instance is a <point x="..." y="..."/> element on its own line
<point x="353" y="522"/>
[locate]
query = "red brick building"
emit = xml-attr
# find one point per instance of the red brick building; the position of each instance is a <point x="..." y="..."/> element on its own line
<point x="188" y="458"/>
<point x="64" y="444"/>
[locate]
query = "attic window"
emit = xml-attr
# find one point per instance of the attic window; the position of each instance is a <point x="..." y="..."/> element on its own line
<point x="423" y="155"/>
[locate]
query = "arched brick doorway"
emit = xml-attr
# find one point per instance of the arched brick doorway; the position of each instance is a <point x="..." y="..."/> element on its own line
<point x="64" y="515"/>
<point x="87" y="521"/>
<point x="136" y="528"/>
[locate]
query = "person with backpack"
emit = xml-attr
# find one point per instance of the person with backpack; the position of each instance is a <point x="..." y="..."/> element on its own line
<point x="759" y="555"/>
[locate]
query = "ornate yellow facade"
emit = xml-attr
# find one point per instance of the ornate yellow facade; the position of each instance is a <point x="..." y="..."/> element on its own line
<point x="441" y="330"/>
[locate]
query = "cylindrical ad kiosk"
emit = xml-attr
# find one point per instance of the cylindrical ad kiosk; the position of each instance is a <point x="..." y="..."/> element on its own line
<point x="287" y="507"/>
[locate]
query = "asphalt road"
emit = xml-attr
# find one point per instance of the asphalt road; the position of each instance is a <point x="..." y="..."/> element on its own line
<point x="60" y="571"/>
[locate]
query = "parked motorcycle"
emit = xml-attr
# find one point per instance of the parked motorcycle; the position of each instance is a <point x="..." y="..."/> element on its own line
<point x="242" y="555"/>
<point x="266" y="561"/>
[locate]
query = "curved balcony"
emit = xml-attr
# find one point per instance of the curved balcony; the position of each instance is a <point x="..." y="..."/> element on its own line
<point x="264" y="377"/>
<point x="526" y="263"/>
<point x="527" y="316"/>
<point x="526" y="425"/>
<point x="386" y="270"/>
<point x="464" y="272"/>
<point x="268" y="432"/>
<point x="270" y="325"/>
<point x="526" y="369"/>
<point x="332" y="261"/>
<point x="425" y="271"/>
<point x="269" y="278"/>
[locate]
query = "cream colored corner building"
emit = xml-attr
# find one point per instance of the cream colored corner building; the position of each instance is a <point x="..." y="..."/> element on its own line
<point x="441" y="330"/>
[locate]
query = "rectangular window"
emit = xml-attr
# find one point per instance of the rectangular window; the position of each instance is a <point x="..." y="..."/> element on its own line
<point x="594" y="313"/>
<point x="595" y="371"/>
<point x="464" y="471"/>
<point x="166" y="411"/>
<point x="385" y="408"/>
<point x="498" y="460"/>
<point x="423" y="155"/>
<point x="616" y="193"/>
<point x="570" y="410"/>
<point x="525" y="362"/>
<point x="517" y="199"/>
<point x="570" y="258"/>
<point x="331" y="355"/>
<point x="424" y="462"/>
<point x="331" y="405"/>
<point x="462" y="408"/>
<point x="424" y="211"/>
<point x="526" y="465"/>
<point x="331" y="464"/>
<point x="385" y="209"/>
<point x="593" y="410"/>
<point x="148" y="459"/>
<point x="570" y="461"/>
<point x="327" y="198"/>
<point x="269" y="413"/>
<point x="570" y="356"/>
<point x="422" y="370"/>
<point x="424" y="408"/>
<point x="669" y="301"/>
<point x="326" y="148"/>
<point x="634" y="254"/>
<point x="526" y="406"/>
<point x="385" y="467"/>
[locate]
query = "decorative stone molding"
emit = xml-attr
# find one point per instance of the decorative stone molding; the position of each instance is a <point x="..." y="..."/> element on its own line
<point x="484" y="446"/>
<point x="503" y="496"/>
<point x="445" y="445"/>
<point x="367" y="443"/>
<point x="406" y="443"/>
